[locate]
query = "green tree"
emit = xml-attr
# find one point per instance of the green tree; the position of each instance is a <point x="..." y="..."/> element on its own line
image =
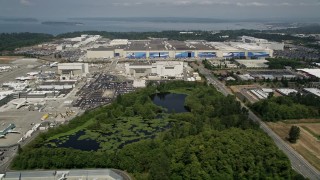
<point x="294" y="134"/>
<point x="270" y="95"/>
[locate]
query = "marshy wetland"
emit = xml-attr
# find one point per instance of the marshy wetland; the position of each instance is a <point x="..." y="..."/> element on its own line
<point x="122" y="131"/>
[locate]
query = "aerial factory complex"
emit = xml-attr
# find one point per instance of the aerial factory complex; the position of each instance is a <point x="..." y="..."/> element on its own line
<point x="70" y="77"/>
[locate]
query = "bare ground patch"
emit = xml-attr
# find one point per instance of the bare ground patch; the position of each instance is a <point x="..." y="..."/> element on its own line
<point x="308" y="145"/>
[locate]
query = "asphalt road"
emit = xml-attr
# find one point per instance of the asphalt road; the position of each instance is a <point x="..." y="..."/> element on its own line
<point x="298" y="163"/>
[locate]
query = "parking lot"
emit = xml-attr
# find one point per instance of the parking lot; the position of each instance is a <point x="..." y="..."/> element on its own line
<point x="298" y="52"/>
<point x="102" y="89"/>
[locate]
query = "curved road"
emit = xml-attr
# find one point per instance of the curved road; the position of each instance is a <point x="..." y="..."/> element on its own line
<point x="297" y="161"/>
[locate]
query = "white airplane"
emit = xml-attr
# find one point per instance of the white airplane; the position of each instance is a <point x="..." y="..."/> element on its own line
<point x="5" y="67"/>
<point x="63" y="177"/>
<point x="32" y="73"/>
<point x="21" y="104"/>
<point x="24" y="78"/>
<point x="13" y="131"/>
<point x="55" y="64"/>
<point x="27" y="103"/>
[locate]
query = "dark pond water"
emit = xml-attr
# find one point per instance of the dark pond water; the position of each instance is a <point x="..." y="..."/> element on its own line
<point x="172" y="102"/>
<point x="74" y="142"/>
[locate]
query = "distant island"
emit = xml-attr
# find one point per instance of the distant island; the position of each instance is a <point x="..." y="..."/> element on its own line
<point x="62" y="23"/>
<point x="19" y="19"/>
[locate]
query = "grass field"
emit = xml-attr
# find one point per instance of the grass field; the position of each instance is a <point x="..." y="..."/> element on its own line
<point x="308" y="144"/>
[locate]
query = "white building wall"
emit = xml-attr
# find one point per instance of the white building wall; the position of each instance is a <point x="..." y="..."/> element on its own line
<point x="169" y="68"/>
<point x="100" y="54"/>
<point x="77" y="69"/>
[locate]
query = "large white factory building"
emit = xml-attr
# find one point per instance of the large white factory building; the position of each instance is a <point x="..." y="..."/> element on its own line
<point x="71" y="70"/>
<point x="158" y="69"/>
<point x="169" y="49"/>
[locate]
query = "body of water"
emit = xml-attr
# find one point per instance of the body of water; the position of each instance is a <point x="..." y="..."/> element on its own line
<point x="74" y="142"/>
<point x="172" y="102"/>
<point x="122" y="26"/>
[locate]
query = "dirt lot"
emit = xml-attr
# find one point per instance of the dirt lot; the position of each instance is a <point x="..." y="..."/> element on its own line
<point x="242" y="91"/>
<point x="308" y="145"/>
<point x="240" y="87"/>
<point x="8" y="59"/>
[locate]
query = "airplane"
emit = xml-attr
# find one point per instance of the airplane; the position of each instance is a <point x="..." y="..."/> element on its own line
<point x="24" y="78"/>
<point x="32" y="73"/>
<point x="63" y="177"/>
<point x="55" y="64"/>
<point x="21" y="104"/>
<point x="14" y="132"/>
<point x="7" y="130"/>
<point x="5" y="67"/>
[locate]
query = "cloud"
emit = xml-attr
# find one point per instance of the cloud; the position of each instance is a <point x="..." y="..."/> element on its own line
<point x="25" y="2"/>
<point x="285" y="4"/>
<point x="182" y="2"/>
<point x="238" y="3"/>
<point x="259" y="4"/>
<point x="126" y="4"/>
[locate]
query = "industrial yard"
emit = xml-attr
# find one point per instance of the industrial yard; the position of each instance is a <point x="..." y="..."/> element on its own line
<point x="70" y="76"/>
<point x="36" y="95"/>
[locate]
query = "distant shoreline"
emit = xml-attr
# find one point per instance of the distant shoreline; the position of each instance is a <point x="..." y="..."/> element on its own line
<point x="62" y="23"/>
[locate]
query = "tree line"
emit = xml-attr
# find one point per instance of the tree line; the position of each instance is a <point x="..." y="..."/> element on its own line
<point x="11" y="41"/>
<point x="295" y="106"/>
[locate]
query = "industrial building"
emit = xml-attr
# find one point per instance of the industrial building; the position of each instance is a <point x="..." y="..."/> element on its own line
<point x="286" y="92"/>
<point x="72" y="70"/>
<point x="57" y="85"/>
<point x="103" y="174"/>
<point x="5" y="97"/>
<point x="253" y="63"/>
<point x="170" y="49"/>
<point x="38" y="94"/>
<point x="263" y="43"/>
<point x="311" y="72"/>
<point x="156" y="69"/>
<point x="314" y="91"/>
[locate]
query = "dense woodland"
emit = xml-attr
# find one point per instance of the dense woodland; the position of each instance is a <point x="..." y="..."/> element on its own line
<point x="215" y="140"/>
<point x="280" y="63"/>
<point x="295" y="106"/>
<point x="11" y="41"/>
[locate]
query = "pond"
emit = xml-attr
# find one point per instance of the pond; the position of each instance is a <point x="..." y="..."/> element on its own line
<point x="74" y="142"/>
<point x="172" y="102"/>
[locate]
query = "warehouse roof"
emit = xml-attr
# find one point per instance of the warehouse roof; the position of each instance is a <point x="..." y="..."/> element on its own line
<point x="167" y="45"/>
<point x="314" y="91"/>
<point x="313" y="72"/>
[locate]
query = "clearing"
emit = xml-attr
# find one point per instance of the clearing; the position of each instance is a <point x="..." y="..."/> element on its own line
<point x="308" y="145"/>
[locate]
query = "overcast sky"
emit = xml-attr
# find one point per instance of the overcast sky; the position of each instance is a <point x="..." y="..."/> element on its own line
<point x="231" y="9"/>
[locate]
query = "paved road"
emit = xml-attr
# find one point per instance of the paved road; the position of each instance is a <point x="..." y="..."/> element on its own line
<point x="297" y="161"/>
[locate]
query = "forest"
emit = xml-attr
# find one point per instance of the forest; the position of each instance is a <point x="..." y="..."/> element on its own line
<point x="294" y="106"/>
<point x="11" y="41"/>
<point x="215" y="140"/>
<point x="280" y="63"/>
